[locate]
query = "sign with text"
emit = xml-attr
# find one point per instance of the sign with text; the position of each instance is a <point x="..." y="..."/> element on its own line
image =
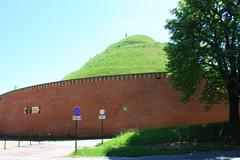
<point x="76" y="114"/>
<point x="76" y="118"/>
<point x="102" y="117"/>
<point x="102" y="114"/>
<point x="32" y="110"/>
<point x="35" y="110"/>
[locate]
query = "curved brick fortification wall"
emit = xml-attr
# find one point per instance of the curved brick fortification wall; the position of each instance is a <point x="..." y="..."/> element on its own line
<point x="149" y="99"/>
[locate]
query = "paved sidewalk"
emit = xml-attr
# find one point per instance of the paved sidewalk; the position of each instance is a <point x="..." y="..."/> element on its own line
<point x="60" y="149"/>
<point x="44" y="149"/>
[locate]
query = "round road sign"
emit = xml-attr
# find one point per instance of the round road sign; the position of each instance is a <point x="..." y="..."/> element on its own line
<point x="76" y="111"/>
<point x="102" y="111"/>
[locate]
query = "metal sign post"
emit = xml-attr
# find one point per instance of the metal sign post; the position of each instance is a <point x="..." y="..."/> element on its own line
<point x="102" y="131"/>
<point x="102" y="116"/>
<point x="75" y="136"/>
<point x="19" y="141"/>
<point x="5" y="142"/>
<point x="30" y="143"/>
<point x="76" y="117"/>
<point x="49" y="137"/>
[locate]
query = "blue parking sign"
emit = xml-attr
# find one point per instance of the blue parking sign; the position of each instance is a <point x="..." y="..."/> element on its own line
<point x="76" y="114"/>
<point x="76" y="111"/>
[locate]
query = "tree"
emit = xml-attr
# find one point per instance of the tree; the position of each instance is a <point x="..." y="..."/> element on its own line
<point x="204" y="48"/>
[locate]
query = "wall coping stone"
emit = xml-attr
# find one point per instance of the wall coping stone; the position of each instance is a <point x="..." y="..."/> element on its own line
<point x="100" y="79"/>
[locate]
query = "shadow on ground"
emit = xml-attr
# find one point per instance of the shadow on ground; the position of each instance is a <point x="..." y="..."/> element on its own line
<point x="181" y="140"/>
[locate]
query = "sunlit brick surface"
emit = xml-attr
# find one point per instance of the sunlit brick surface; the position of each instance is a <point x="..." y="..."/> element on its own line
<point x="131" y="101"/>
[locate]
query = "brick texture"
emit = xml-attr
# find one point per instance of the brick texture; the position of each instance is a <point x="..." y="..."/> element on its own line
<point x="148" y="100"/>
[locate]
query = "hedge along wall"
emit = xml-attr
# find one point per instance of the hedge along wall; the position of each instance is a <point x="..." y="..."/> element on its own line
<point x="131" y="101"/>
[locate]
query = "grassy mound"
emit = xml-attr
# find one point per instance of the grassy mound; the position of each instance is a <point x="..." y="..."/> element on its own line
<point x="221" y="136"/>
<point x="134" y="54"/>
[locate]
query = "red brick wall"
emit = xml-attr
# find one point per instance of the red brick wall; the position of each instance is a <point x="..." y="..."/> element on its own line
<point x="150" y="100"/>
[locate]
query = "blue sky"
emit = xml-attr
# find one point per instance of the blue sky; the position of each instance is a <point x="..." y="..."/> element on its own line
<point x="43" y="40"/>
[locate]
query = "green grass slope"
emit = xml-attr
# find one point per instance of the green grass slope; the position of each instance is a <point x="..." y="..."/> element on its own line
<point x="134" y="54"/>
<point x="174" y="140"/>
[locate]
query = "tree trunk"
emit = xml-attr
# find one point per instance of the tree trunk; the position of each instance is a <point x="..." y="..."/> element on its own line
<point x="233" y="103"/>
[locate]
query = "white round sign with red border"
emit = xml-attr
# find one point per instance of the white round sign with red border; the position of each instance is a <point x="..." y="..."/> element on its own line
<point x="102" y="114"/>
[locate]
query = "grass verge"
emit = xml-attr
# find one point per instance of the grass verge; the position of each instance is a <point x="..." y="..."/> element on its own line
<point x="133" y="151"/>
<point x="176" y="140"/>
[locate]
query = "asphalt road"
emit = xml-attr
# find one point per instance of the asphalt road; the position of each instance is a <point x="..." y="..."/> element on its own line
<point x="60" y="149"/>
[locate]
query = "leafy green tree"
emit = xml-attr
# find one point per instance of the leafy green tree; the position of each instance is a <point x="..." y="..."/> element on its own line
<point x="204" y="50"/>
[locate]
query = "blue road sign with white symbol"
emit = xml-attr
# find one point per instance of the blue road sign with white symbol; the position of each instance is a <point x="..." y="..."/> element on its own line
<point x="76" y="111"/>
<point x="76" y="114"/>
